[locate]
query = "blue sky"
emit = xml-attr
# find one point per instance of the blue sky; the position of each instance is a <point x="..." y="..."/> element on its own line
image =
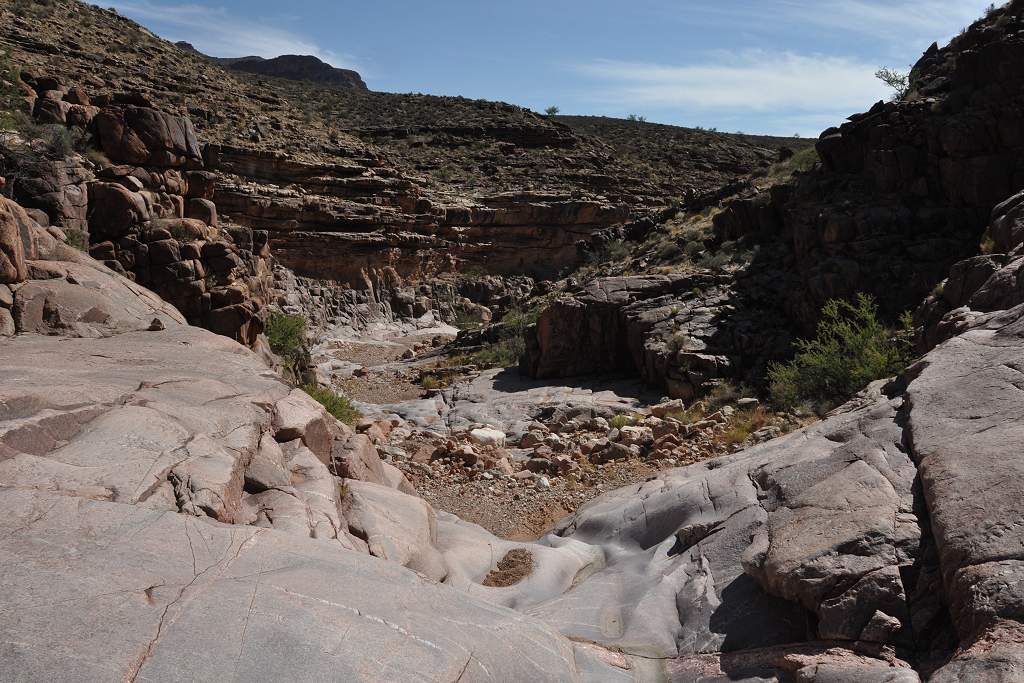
<point x="760" y="66"/>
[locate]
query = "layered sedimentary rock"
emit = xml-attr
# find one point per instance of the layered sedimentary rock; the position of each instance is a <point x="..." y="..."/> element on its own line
<point x="337" y="222"/>
<point x="680" y="333"/>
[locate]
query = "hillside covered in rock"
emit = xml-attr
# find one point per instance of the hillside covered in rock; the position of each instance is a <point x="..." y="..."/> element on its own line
<point x="301" y="381"/>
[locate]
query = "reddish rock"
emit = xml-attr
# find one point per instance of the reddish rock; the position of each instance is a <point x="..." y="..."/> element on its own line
<point x="144" y="136"/>
<point x="14" y="232"/>
<point x="77" y="96"/>
<point x="114" y="210"/>
<point x="203" y="210"/>
<point x="201" y="184"/>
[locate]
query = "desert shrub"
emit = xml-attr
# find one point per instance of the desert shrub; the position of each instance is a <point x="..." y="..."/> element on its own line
<point x="744" y="423"/>
<point x="620" y="421"/>
<point x="52" y="141"/>
<point x="337" y="405"/>
<point x="552" y="111"/>
<point x="287" y="337"/>
<point x="695" y="413"/>
<point x="517" y="319"/>
<point x="432" y="382"/>
<point x="465" y="320"/>
<point x="612" y="252"/>
<point x="851" y="349"/>
<point x="723" y="393"/>
<point x="38" y="8"/>
<point x="804" y="160"/>
<point x="13" y="115"/>
<point x="58" y="141"/>
<point x="500" y="354"/>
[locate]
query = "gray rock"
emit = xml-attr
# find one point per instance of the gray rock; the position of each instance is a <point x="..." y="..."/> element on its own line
<point x="111" y="591"/>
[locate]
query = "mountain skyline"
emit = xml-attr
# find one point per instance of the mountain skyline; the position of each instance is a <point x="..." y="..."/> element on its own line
<point x="779" y="67"/>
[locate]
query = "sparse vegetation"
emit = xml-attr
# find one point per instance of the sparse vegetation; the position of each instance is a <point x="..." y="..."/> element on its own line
<point x="180" y="232"/>
<point x="12" y="107"/>
<point x="744" y="423"/>
<point x="501" y="354"/>
<point x="432" y="382"/>
<point x="552" y="111"/>
<point x="38" y="8"/>
<point x="613" y="251"/>
<point x="620" y="421"/>
<point x="287" y="337"/>
<point x="98" y="158"/>
<point x="339" y="406"/>
<point x="802" y="161"/>
<point x="465" y="320"/>
<point x="899" y="81"/>
<point x="78" y="239"/>
<point x="850" y="350"/>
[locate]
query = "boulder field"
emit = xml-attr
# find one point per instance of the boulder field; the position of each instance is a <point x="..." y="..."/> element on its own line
<point x="173" y="508"/>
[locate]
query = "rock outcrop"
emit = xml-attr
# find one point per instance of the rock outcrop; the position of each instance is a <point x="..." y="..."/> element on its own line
<point x="903" y="190"/>
<point x="291" y="67"/>
<point x="146" y="211"/>
<point x="680" y="333"/>
<point x="298" y="68"/>
<point x="978" y="285"/>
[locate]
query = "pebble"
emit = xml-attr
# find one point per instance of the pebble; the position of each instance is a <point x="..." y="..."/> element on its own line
<point x="543" y="484"/>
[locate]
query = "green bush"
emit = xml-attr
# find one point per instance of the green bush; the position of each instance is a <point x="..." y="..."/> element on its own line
<point x="620" y="421"/>
<point x="743" y="424"/>
<point x="287" y="337"/>
<point x="432" y="382"/>
<point x="851" y="349"/>
<point x="337" y="405"/>
<point x="612" y="252"/>
<point x="500" y="354"/>
<point x="506" y="352"/>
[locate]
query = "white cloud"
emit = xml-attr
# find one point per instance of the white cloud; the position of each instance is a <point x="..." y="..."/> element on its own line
<point x="752" y="81"/>
<point x="915" y="21"/>
<point x="218" y="33"/>
<point x="895" y="24"/>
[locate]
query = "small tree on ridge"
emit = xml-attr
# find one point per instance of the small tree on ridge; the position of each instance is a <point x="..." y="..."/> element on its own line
<point x="897" y="80"/>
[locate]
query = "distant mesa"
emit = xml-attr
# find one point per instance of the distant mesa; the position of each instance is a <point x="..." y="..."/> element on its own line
<point x="290" y="67"/>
